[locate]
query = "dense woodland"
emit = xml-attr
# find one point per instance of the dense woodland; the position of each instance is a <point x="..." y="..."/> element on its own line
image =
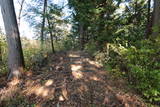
<point x="104" y="53"/>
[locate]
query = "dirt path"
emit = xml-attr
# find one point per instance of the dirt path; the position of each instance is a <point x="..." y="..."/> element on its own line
<point x="70" y="79"/>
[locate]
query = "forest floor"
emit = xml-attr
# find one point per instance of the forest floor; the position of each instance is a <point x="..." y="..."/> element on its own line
<point x="68" y="79"/>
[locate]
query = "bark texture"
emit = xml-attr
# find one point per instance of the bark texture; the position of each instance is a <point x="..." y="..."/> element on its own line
<point x="15" y="58"/>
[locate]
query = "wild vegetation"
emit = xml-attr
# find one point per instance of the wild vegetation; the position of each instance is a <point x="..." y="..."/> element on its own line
<point x="104" y="53"/>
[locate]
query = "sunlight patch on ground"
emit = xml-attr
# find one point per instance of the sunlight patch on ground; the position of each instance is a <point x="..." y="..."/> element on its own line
<point x="41" y="91"/>
<point x="95" y="63"/>
<point x="73" y="55"/>
<point x="76" y="67"/>
<point x="61" y="98"/>
<point x="76" y="71"/>
<point x="65" y="93"/>
<point x="8" y="93"/>
<point x="49" y="82"/>
<point x="14" y="82"/>
<point x="77" y="74"/>
<point x="78" y="62"/>
<point x="94" y="78"/>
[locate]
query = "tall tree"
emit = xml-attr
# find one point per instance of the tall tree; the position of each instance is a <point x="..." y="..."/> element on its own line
<point x="51" y="34"/>
<point x="43" y="21"/>
<point x="81" y="31"/>
<point x="156" y="18"/>
<point x="149" y="24"/>
<point x="20" y="11"/>
<point x="16" y="59"/>
<point x="53" y="16"/>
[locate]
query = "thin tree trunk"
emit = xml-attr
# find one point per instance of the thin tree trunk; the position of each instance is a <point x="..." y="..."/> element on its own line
<point x="20" y="12"/>
<point x="43" y="22"/>
<point x="156" y="18"/>
<point x="135" y="11"/>
<point x="55" y="35"/>
<point x="51" y="35"/>
<point x="149" y="25"/>
<point x="15" y="58"/>
<point x="81" y="36"/>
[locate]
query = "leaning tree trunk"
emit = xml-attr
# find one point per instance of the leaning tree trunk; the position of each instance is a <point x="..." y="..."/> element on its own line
<point x="16" y="59"/>
<point x="156" y="18"/>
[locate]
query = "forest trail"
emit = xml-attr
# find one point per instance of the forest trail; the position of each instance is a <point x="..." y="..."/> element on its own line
<point x="70" y="79"/>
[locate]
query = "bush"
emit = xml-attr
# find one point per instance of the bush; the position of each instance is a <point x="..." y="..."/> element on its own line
<point x="32" y="54"/>
<point x="144" y="68"/>
<point x="139" y="63"/>
<point x="4" y="54"/>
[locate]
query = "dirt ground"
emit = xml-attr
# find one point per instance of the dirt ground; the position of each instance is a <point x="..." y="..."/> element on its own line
<point x="68" y="79"/>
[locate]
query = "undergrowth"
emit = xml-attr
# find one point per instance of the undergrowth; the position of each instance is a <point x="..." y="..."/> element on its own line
<point x="139" y="64"/>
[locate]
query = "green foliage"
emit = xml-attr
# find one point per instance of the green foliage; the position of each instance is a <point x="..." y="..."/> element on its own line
<point x="140" y="64"/>
<point x="116" y="39"/>
<point x="4" y="54"/>
<point x="115" y="36"/>
<point x="32" y="54"/>
<point x="144" y="67"/>
<point x="67" y="44"/>
<point x="64" y="44"/>
<point x="91" y="47"/>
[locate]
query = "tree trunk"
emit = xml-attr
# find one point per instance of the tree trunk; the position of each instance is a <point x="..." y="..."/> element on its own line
<point x="156" y="18"/>
<point x="135" y="12"/>
<point x="51" y="35"/>
<point x="43" y="22"/>
<point x="81" y="36"/>
<point x="149" y="24"/>
<point x="20" y="12"/>
<point x="15" y="58"/>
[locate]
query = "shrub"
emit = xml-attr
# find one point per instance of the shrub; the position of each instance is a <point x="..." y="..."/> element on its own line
<point x="139" y="63"/>
<point x="144" y="68"/>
